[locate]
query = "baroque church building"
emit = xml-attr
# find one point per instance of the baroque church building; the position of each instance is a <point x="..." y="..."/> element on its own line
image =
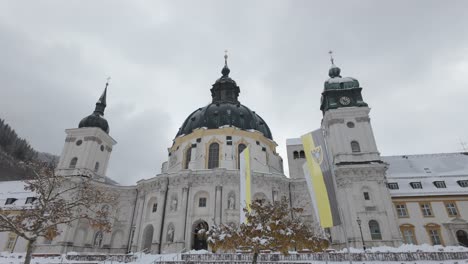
<point x="199" y="184"/>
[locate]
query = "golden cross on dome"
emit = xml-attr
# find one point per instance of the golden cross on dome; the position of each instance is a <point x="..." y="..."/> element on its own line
<point x="225" y="57"/>
<point x="331" y="57"/>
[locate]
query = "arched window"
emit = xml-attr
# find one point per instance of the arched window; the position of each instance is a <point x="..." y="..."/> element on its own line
<point x="213" y="156"/>
<point x="98" y="239"/>
<point x="188" y="157"/>
<point x="302" y="154"/>
<point x="240" y="148"/>
<point x="96" y="167"/>
<point x="295" y="155"/>
<point x="375" y="230"/>
<point x="73" y="163"/>
<point x="355" y="146"/>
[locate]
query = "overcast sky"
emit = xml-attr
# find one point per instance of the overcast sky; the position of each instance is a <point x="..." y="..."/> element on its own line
<point x="411" y="58"/>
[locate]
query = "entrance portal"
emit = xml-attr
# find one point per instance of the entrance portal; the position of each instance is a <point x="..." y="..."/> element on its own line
<point x="147" y="238"/>
<point x="462" y="238"/>
<point x="199" y="235"/>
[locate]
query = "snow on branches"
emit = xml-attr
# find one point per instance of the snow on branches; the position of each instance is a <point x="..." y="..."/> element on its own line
<point x="274" y="227"/>
<point x="58" y="200"/>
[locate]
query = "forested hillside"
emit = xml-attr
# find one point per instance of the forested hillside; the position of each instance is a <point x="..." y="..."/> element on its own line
<point x="15" y="152"/>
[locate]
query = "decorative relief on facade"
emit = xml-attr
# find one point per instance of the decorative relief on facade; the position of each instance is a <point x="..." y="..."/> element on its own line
<point x="93" y="138"/>
<point x="363" y="119"/>
<point x="335" y="121"/>
<point x="70" y="139"/>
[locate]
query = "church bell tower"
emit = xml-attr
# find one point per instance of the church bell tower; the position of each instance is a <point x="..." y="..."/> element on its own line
<point x="359" y="171"/>
<point x="87" y="148"/>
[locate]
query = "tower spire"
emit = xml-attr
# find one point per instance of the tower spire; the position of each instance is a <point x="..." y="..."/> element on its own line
<point x="101" y="103"/>
<point x="225" y="71"/>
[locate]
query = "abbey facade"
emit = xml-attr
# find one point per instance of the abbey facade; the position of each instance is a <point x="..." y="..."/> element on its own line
<point x="199" y="183"/>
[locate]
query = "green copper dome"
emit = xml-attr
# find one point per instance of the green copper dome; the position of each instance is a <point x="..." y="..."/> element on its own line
<point x="340" y="91"/>
<point x="96" y="119"/>
<point x="224" y="110"/>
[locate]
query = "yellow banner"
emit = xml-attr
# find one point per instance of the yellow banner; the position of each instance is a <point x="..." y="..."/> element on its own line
<point x="245" y="183"/>
<point x="314" y="156"/>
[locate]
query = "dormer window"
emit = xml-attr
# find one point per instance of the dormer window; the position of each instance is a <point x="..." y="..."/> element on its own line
<point x="393" y="185"/>
<point x="463" y="183"/>
<point x="440" y="184"/>
<point x="416" y="185"/>
<point x="30" y="200"/>
<point x="10" y="201"/>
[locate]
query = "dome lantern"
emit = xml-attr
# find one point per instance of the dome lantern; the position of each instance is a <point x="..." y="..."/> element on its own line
<point x="96" y="119"/>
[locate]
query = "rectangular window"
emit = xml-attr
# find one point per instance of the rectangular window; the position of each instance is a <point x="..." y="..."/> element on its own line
<point x="401" y="209"/>
<point x="366" y="196"/>
<point x="426" y="209"/>
<point x="408" y="236"/>
<point x="202" y="202"/>
<point x="393" y="185"/>
<point x="10" y="244"/>
<point x="451" y="208"/>
<point x="440" y="184"/>
<point x="463" y="183"/>
<point x="155" y="207"/>
<point x="416" y="185"/>
<point x="10" y="201"/>
<point x="434" y="234"/>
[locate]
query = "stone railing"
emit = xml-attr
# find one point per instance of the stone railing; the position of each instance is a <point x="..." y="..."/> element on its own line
<point x="102" y="257"/>
<point x="278" y="258"/>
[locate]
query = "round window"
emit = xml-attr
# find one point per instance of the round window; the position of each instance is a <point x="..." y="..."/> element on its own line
<point x="79" y="142"/>
<point x="102" y="148"/>
<point x="350" y="124"/>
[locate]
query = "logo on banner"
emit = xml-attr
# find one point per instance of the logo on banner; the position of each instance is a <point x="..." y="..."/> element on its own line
<point x="317" y="155"/>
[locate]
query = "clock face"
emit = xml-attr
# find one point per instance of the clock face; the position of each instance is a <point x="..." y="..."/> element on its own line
<point x="344" y="100"/>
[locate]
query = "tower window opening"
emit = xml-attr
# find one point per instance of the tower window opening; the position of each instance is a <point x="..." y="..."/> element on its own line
<point x="355" y="147"/>
<point x="188" y="157"/>
<point x="301" y="154"/>
<point x="96" y="167"/>
<point x="73" y="163"/>
<point x="155" y="207"/>
<point x="366" y="196"/>
<point x="295" y="155"/>
<point x="213" y="156"/>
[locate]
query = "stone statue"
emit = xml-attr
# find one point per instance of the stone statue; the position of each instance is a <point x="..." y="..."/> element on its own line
<point x="231" y="202"/>
<point x="174" y="204"/>
<point x="170" y="234"/>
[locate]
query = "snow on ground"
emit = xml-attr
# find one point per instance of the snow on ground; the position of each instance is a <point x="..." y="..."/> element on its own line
<point x="18" y="258"/>
<point x="410" y="248"/>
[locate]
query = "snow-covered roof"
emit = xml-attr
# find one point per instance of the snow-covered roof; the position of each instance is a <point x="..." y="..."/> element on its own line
<point x="15" y="190"/>
<point x="427" y="169"/>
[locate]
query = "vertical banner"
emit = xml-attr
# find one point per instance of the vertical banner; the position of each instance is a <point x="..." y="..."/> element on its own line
<point x="245" y="183"/>
<point x="319" y="179"/>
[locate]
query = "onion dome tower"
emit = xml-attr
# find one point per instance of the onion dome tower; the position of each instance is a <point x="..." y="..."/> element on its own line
<point x="96" y="119"/>
<point x="340" y="91"/>
<point x="225" y="110"/>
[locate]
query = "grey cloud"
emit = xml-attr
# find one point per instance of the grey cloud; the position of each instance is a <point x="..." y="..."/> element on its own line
<point x="163" y="57"/>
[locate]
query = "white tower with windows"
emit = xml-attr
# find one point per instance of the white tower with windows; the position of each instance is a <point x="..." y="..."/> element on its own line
<point x="362" y="192"/>
<point x="87" y="148"/>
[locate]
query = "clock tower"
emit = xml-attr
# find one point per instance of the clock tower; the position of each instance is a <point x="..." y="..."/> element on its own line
<point x="359" y="171"/>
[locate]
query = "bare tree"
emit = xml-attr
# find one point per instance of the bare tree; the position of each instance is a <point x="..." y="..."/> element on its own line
<point x="274" y="227"/>
<point x="58" y="201"/>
